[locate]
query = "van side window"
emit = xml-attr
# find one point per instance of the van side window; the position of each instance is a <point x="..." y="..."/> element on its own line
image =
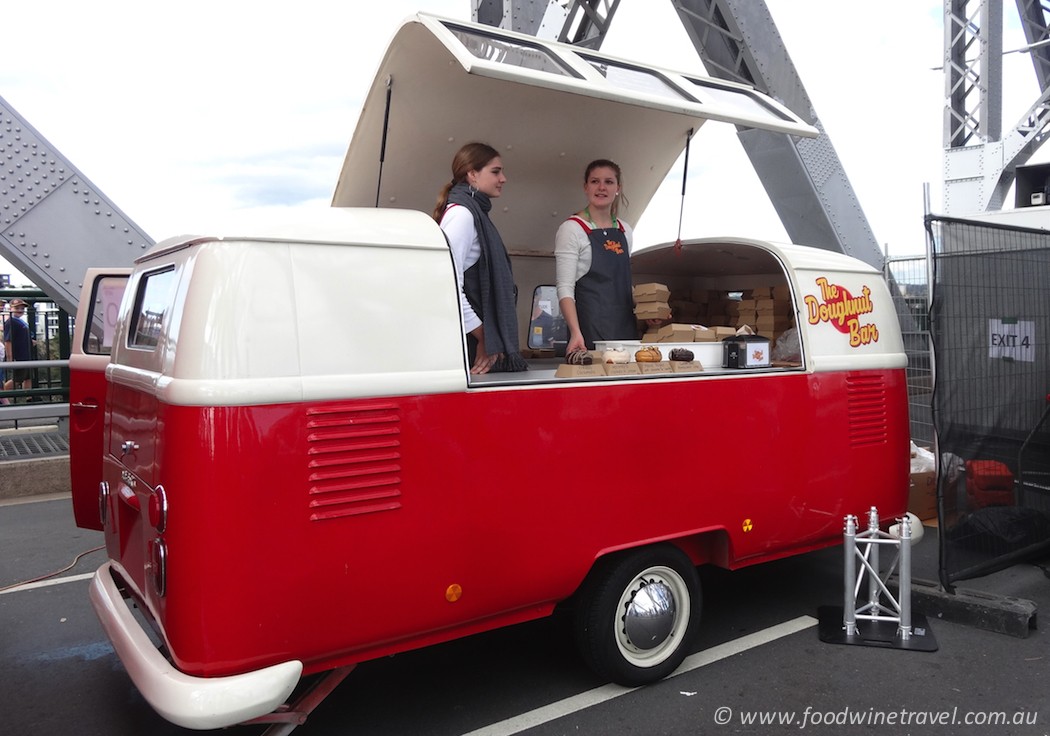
<point x="102" y="317"/>
<point x="152" y="301"/>
<point x="546" y="325"/>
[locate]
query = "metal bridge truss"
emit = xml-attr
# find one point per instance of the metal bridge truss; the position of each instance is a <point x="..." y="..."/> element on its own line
<point x="980" y="163"/>
<point x="737" y="40"/>
<point x="56" y="223"/>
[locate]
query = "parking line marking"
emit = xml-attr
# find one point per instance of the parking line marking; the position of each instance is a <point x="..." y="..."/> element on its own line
<point x="599" y="695"/>
<point x="46" y="583"/>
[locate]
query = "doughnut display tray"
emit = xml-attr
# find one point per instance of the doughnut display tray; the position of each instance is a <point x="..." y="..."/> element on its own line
<point x="708" y="353"/>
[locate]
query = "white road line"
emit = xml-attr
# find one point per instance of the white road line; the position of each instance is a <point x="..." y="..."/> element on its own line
<point x="47" y="583"/>
<point x="548" y="713"/>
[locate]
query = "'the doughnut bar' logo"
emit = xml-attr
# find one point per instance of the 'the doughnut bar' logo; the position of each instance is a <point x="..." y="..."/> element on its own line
<point x="843" y="311"/>
<point x="614" y="246"/>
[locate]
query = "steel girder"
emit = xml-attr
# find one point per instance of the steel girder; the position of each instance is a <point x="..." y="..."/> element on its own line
<point x="805" y="180"/>
<point x="980" y="163"/>
<point x="738" y="40"/>
<point x="579" y="22"/>
<point x="56" y="223"/>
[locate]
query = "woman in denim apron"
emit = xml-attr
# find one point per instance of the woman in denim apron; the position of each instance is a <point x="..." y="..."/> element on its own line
<point x="593" y="264"/>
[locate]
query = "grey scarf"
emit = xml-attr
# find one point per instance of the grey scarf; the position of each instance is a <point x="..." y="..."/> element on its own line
<point x="490" y="289"/>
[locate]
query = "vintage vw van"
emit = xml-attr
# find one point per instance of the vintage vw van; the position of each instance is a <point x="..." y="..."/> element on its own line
<point x="284" y="422"/>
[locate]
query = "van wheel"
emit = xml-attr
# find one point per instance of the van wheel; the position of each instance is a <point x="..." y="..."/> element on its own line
<point x="637" y="614"/>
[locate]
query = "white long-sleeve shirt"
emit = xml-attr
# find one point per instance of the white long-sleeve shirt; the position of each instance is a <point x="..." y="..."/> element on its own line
<point x="572" y="255"/>
<point x="458" y="224"/>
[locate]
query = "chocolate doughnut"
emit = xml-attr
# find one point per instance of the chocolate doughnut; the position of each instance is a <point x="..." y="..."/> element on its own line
<point x="681" y="354"/>
<point x="578" y="357"/>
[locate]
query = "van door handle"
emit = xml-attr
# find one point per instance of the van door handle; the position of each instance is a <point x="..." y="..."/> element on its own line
<point x="82" y="405"/>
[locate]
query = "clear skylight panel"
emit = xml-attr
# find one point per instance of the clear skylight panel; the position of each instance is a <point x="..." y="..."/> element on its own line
<point x="740" y="100"/>
<point x="511" y="52"/>
<point x="635" y="80"/>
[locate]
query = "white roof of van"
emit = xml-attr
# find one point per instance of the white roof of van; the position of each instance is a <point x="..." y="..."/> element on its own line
<point x="337" y="226"/>
<point x="722" y="256"/>
<point x="549" y="109"/>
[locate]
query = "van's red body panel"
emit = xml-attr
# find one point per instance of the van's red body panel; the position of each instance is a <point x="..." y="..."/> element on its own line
<point x="331" y="532"/>
<point x="87" y="406"/>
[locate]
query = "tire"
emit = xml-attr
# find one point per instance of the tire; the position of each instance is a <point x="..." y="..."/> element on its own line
<point x="637" y="615"/>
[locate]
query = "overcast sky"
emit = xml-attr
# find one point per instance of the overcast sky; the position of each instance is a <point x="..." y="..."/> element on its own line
<point x="193" y="115"/>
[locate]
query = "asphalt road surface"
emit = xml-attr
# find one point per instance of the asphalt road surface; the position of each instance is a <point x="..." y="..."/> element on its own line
<point x="759" y="667"/>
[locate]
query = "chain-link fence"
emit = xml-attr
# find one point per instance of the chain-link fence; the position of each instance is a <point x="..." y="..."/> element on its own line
<point x="909" y="284"/>
<point x="990" y="329"/>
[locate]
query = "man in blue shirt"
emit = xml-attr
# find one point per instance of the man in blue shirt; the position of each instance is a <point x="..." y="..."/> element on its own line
<point x="18" y="346"/>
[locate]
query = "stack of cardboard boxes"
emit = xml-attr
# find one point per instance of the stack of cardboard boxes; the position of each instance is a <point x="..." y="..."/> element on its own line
<point x="700" y="315"/>
<point x="650" y="301"/>
<point x="767" y="310"/>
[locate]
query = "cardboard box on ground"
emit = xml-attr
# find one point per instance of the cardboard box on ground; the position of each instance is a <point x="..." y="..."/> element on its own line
<point x="922" y="491"/>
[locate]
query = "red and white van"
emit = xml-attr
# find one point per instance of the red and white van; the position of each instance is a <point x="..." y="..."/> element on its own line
<point x="295" y="471"/>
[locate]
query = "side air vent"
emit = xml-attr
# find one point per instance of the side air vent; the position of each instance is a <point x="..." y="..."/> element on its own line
<point x="354" y="459"/>
<point x="867" y="410"/>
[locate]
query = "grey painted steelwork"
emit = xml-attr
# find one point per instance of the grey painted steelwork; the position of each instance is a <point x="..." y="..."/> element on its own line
<point x="55" y="222"/>
<point x="980" y="164"/>
<point x="738" y="40"/>
<point x="805" y="180"/>
<point x="581" y="23"/>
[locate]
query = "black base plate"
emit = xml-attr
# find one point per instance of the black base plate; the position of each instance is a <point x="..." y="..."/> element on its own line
<point x="875" y="633"/>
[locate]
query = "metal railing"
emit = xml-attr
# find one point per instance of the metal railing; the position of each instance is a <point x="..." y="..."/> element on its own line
<point x="52" y="331"/>
<point x="43" y="409"/>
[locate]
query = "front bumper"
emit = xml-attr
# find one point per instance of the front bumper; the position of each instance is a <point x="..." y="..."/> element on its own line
<point x="191" y="702"/>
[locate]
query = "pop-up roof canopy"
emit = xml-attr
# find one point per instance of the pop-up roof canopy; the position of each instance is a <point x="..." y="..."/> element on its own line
<point x="549" y="109"/>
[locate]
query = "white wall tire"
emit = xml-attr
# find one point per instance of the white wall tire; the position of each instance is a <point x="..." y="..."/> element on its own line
<point x="638" y="613"/>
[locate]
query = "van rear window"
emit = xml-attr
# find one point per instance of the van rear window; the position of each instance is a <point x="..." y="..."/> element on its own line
<point x="152" y="301"/>
<point x="101" y="314"/>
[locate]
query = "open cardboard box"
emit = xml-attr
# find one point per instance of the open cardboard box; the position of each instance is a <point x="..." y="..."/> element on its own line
<point x="922" y="494"/>
<point x="651" y="293"/>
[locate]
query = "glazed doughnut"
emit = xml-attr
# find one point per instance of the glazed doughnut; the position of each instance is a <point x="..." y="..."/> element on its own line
<point x="649" y="355"/>
<point x="681" y="354"/>
<point x="615" y="355"/>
